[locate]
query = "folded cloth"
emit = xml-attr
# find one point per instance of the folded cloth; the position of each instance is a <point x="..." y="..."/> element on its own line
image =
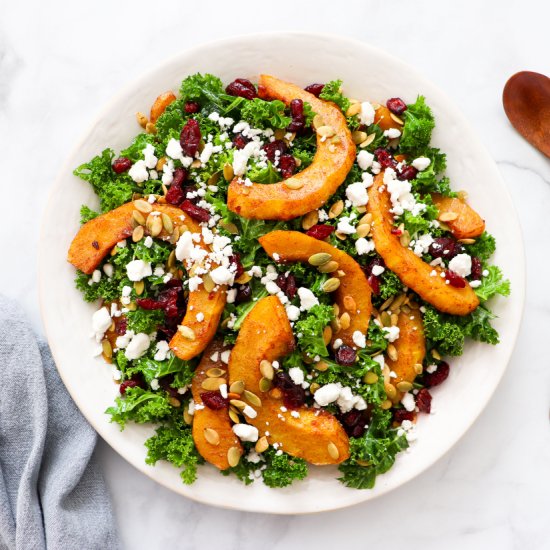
<point x="52" y="494"/>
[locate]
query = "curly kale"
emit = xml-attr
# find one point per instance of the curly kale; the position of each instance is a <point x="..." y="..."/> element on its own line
<point x="417" y="131"/>
<point x="332" y="92"/>
<point x="483" y="248"/>
<point x="310" y="330"/>
<point x="87" y="214"/>
<point x="265" y="114"/>
<point x="492" y="284"/>
<point x="282" y="469"/>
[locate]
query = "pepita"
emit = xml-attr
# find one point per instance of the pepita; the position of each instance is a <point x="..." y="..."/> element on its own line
<point x="392" y="352"/>
<point x="186" y="332"/>
<point x="340" y="236"/>
<point x="329" y="267"/>
<point x="397" y="119"/>
<point x="327" y="335"/>
<point x="196" y="163"/>
<point x="279" y="133"/>
<point x="385" y="405"/>
<point x="143" y="206"/>
<point x="187" y="418"/>
<point x="385" y="319"/>
<point x="345" y="321"/>
<point x="266" y="368"/>
<point x="244" y="278"/>
<point x="234" y="416"/>
<point x="390" y="390"/>
<point x="215" y="372"/>
<point x="211" y="436"/>
<point x="238" y="404"/>
<point x="368" y="141"/>
<point x="174" y="402"/>
<point x="418" y="368"/>
<point x="386" y="304"/>
<point x="237" y="387"/>
<point x="354" y="109"/>
<point x="394" y="319"/>
<point x="137" y="233"/>
<point x="214" y="178"/>
<point x="405" y="239"/>
<point x="335" y="325"/>
<point x="150" y="128"/>
<point x="252" y="398"/>
<point x="139" y="287"/>
<point x="349" y="303"/>
<point x="229" y="226"/>
<point x="174" y="237"/>
<point x="208" y="282"/>
<point x="320" y="258"/>
<point x="370" y="378"/>
<point x="160" y="164"/>
<point x="333" y="451"/>
<point x="398" y="301"/>
<point x="171" y="262"/>
<point x="436" y="355"/>
<point x="138" y="217"/>
<point x="264" y="384"/>
<point x="362" y="230"/>
<point x="142" y="119"/>
<point x="336" y="209"/>
<point x="310" y="219"/>
<point x="467" y="241"/>
<point x="447" y="216"/>
<point x="321" y="366"/>
<point x="228" y="172"/>
<point x="213" y="384"/>
<point x="326" y="131"/>
<point x="234" y="456"/>
<point x="107" y="348"/>
<point x="358" y="137"/>
<point x="155" y="225"/>
<point x="330" y="285"/>
<point x="167" y="223"/>
<point x="366" y="219"/>
<point x="318" y="122"/>
<point x="261" y="445"/>
<point x="404" y="386"/>
<point x="314" y="387"/>
<point x="293" y="183"/>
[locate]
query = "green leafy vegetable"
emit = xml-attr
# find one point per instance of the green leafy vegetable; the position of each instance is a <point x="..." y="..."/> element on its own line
<point x="483" y="248"/>
<point x="417" y="131"/>
<point x="311" y="330"/>
<point x="145" y="320"/>
<point x="429" y="180"/>
<point x="282" y="470"/>
<point x="492" y="284"/>
<point x="265" y="114"/>
<point x="87" y="214"/>
<point x="332" y="92"/>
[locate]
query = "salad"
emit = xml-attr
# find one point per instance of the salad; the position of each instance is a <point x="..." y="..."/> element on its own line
<point x="282" y="275"/>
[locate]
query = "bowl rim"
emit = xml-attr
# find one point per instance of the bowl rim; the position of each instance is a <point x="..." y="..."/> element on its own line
<point x="450" y="106"/>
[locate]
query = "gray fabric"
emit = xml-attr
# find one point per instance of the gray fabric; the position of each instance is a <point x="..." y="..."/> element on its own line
<point x="52" y="494"/>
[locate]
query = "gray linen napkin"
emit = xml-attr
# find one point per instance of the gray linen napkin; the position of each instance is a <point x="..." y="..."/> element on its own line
<point x="52" y="494"/>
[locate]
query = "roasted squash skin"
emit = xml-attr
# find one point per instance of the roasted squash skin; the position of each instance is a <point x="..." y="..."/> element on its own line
<point x="206" y="418"/>
<point x="266" y="334"/>
<point x="293" y="246"/>
<point x="160" y="104"/>
<point x="468" y="224"/>
<point x="413" y="272"/>
<point x="319" y="180"/>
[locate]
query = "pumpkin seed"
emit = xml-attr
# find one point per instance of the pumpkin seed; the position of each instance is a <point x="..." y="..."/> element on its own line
<point x="208" y="282"/>
<point x="234" y="456"/>
<point x="279" y="133"/>
<point x="237" y="387"/>
<point x="390" y="390"/>
<point x="310" y="219"/>
<point x="320" y="258"/>
<point x="211" y="436"/>
<point x="358" y="137"/>
<point x="447" y="216"/>
<point x="244" y="278"/>
<point x="174" y="237"/>
<point x="132" y="306"/>
<point x="336" y="209"/>
<point x="238" y="404"/>
<point x="349" y="303"/>
<point x="435" y="355"/>
<point x="150" y="128"/>
<point x="321" y="366"/>
<point x="330" y="285"/>
<point x="142" y="119"/>
<point x="394" y="319"/>
<point x="318" y="122"/>
<point x="293" y="183"/>
<point x="167" y="223"/>
<point x="138" y="217"/>
<point x="370" y="378"/>
<point x="213" y="384"/>
<point x="385" y="405"/>
<point x="329" y="267"/>
<point x="139" y="287"/>
<point x="333" y="451"/>
<point x="186" y="332"/>
<point x="418" y="368"/>
<point x="336" y="310"/>
<point x="297" y="161"/>
<point x="234" y="416"/>
<point x="171" y="262"/>
<point x="354" y="109"/>
<point x="314" y="387"/>
<point x="156" y="226"/>
<point x="215" y="372"/>
<point x="366" y="219"/>
<point x="386" y="304"/>
<point x="345" y="321"/>
<point x="107" y="348"/>
<point x="137" y="233"/>
<point x="160" y="164"/>
<point x="261" y="445"/>
<point x="405" y="239"/>
<point x="187" y="418"/>
<point x="196" y="163"/>
<point x="392" y="352"/>
<point x="327" y="334"/>
<point x="368" y="141"/>
<point x="228" y="172"/>
<point x="335" y="325"/>
<point x="398" y="301"/>
<point x="289" y="137"/>
<point x="266" y="368"/>
<point x="362" y="230"/>
<point x="395" y="118"/>
<point x="174" y="402"/>
<point x="252" y="398"/>
<point x="214" y="178"/>
<point x="264" y="384"/>
<point x="404" y="386"/>
<point x="467" y="241"/>
<point x="385" y="319"/>
<point x="229" y="226"/>
<point x="326" y="131"/>
<point x="340" y="236"/>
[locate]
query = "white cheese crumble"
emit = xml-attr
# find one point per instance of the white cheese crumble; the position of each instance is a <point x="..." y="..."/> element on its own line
<point x="359" y="339"/>
<point x="222" y="276"/>
<point x="408" y="401"/>
<point x="366" y="115"/>
<point x="293" y="312"/>
<point x="137" y="346"/>
<point x="357" y="193"/>
<point x="400" y="194"/>
<point x="297" y="375"/>
<point x="245" y="432"/>
<point x="345" y="226"/>
<point x="138" y="269"/>
<point x="101" y="321"/>
<point x="421" y="163"/>
<point x="461" y="264"/>
<point x="378" y="270"/>
<point x="307" y="299"/>
<point x="162" y="350"/>
<point x="422" y="244"/>
<point x="155" y="384"/>
<point x="392" y="133"/>
<point x="364" y="159"/>
<point x="138" y="171"/>
<point x="391" y="333"/>
<point x="364" y="246"/>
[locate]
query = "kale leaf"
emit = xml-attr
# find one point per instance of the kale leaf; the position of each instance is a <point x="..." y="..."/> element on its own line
<point x="265" y="114"/>
<point x="87" y="214"/>
<point x="281" y="470"/>
<point x="311" y="330"/>
<point x="492" y="284"/>
<point x="417" y="131"/>
<point x="332" y="92"/>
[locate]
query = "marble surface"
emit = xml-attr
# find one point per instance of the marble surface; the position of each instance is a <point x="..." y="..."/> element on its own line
<point x="60" y="62"/>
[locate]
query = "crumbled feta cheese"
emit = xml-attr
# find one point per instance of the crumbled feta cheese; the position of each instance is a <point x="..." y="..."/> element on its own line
<point x="377" y="270"/>
<point x="200" y="316"/>
<point x="421" y="163"/>
<point x="108" y="270"/>
<point x="422" y="244"/>
<point x="357" y="193"/>
<point x="184" y="246"/>
<point x="138" y="346"/>
<point x="250" y="412"/>
<point x="359" y="339"/>
<point x="96" y="276"/>
<point x="408" y="401"/>
<point x="223" y="390"/>
<point x="326" y="394"/>
<point x="155" y="384"/>
<point x="391" y="333"/>
<point x="222" y="276"/>
<point x="292" y="312"/>
<point x="364" y="159"/>
<point x="174" y="150"/>
<point x="366" y="115"/>
<point x="123" y="340"/>
<point x="461" y="264"/>
<point x="138" y="171"/>
<point x="337" y="343"/>
<point x="148" y="241"/>
<point x="392" y="133"/>
<point x="101" y="321"/>
<point x="138" y="269"/>
<point x="231" y="295"/>
<point x="345" y="226"/>
<point x="245" y="432"/>
<point x="475" y="284"/>
<point x="272" y="287"/>
<point x="307" y="299"/>
<point x="297" y="375"/>
<point x="149" y="157"/>
<point x="224" y="356"/>
<point x="364" y="246"/>
<point x="207" y="152"/>
<point x="162" y="350"/>
<point x="400" y="194"/>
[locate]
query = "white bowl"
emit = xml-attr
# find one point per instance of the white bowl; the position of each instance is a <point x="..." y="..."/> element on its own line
<point x="367" y="73"/>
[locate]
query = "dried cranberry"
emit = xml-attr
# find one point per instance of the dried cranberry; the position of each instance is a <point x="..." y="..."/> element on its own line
<point x="446" y="248"/>
<point x="297" y="114"/>
<point x="375" y="262"/>
<point x="242" y="87"/>
<point x="190" y="138"/>
<point x="315" y="89"/>
<point x="374" y="283"/>
<point x="320" y="231"/>
<point x="95" y="244"/>
<point x="166" y="384"/>
<point x="239" y="141"/>
<point x="287" y="165"/>
<point x="192" y="107"/>
<point x="400" y="415"/>
<point x="274" y="149"/>
<point x="424" y="400"/>
<point x="196" y="212"/>
<point x="236" y="261"/>
<point x="121" y="325"/>
<point x="294" y="396"/>
<point x="244" y="293"/>
<point x="345" y="355"/>
<point x="122" y="164"/>
<point x="214" y="400"/>
<point x="355" y="422"/>
<point x="385" y="158"/>
<point x="396" y="231"/>
<point x="287" y="283"/>
<point x="477" y="268"/>
<point x="127" y="384"/>
<point x="455" y="279"/>
<point x="170" y="299"/>
<point x="396" y="105"/>
<point x="176" y="194"/>
<point x="438" y="376"/>
<point x="407" y="173"/>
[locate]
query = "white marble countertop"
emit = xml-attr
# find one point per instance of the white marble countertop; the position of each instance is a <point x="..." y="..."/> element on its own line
<point x="59" y="63"/>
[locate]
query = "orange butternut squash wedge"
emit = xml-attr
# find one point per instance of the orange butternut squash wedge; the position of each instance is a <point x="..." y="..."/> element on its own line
<point x="310" y="188"/>
<point x="160" y="104"/>
<point x="411" y="349"/>
<point x="354" y="293"/>
<point x="315" y="435"/>
<point x="468" y="224"/>
<point x="212" y="431"/>
<point x="96" y="238"/>
<point x="421" y="277"/>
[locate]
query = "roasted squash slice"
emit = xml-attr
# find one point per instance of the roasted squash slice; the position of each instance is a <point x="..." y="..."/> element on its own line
<point x="382" y="117"/>
<point x="310" y="188"/>
<point x="314" y="435"/>
<point x="354" y="293"/>
<point x="208" y="423"/>
<point x="160" y="104"/>
<point x="421" y="277"/>
<point x="97" y="237"/>
<point x="468" y="224"/>
<point x="411" y="349"/>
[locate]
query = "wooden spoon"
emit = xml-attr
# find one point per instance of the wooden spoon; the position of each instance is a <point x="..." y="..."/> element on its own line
<point x="526" y="100"/>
